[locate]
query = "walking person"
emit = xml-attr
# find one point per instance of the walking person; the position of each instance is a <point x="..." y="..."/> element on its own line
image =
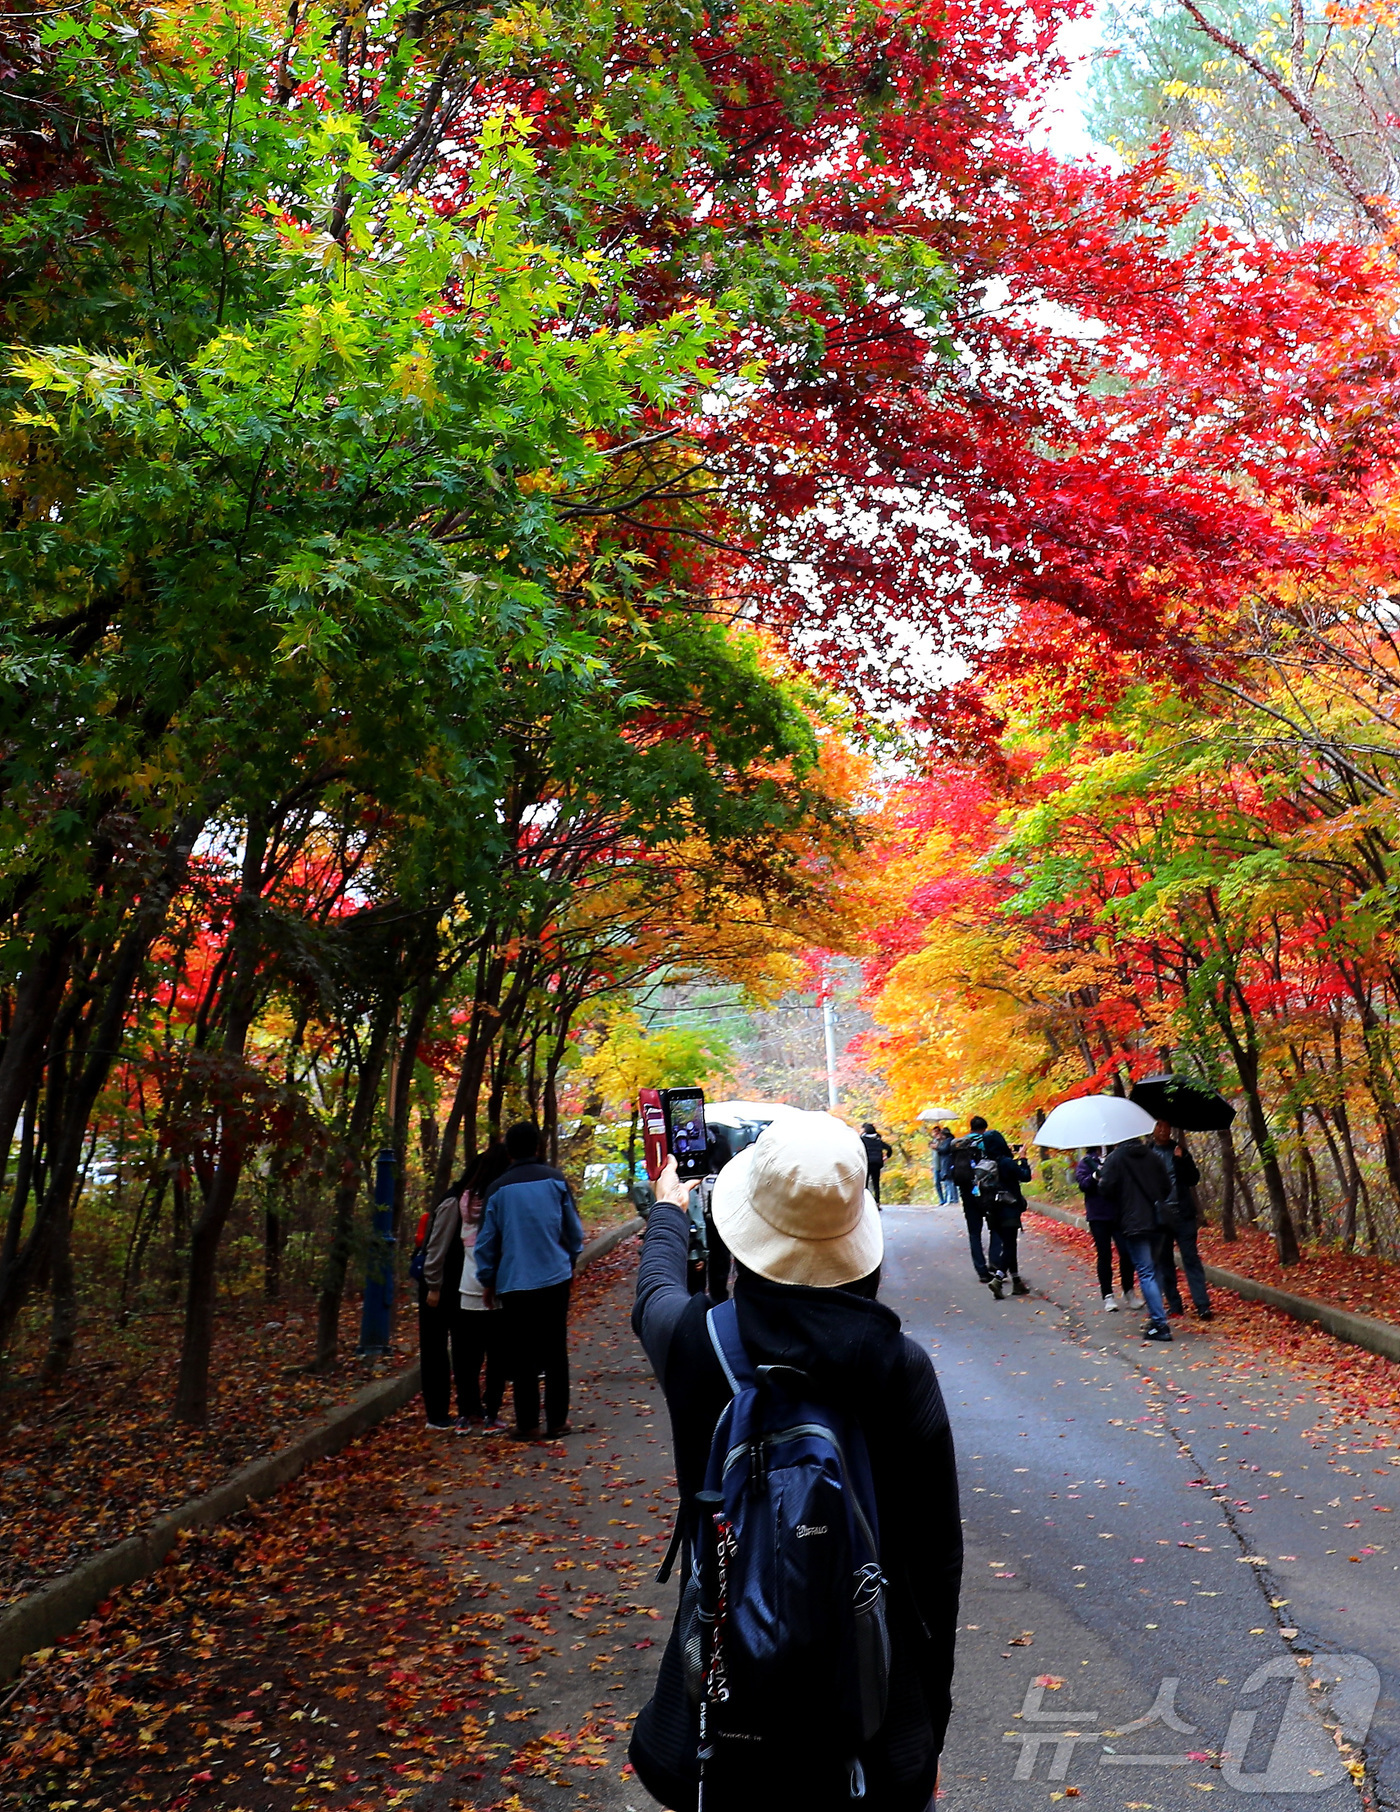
<point x="1102" y="1217"/>
<point x="1178" y="1230"/>
<point x="1003" y="1204"/>
<point x="526" y="1249"/>
<point x="482" y="1334"/>
<point x="876" y="1152"/>
<point x="966" y="1153"/>
<point x="1135" y="1178"/>
<point x="808" y="1243"/>
<point x="441" y="1336"/>
<point x="946" y="1190"/>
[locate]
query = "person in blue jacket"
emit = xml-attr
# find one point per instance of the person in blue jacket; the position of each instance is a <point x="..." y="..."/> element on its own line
<point x="526" y="1249"/>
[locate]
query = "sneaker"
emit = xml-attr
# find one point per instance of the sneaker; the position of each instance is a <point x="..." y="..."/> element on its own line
<point x="984" y="1277"/>
<point x="494" y="1427"/>
<point x="1205" y="1314"/>
<point x="995" y="1284"/>
<point x="468" y="1425"/>
<point x="442" y="1427"/>
<point x="1131" y="1300"/>
<point x="1018" y="1288"/>
<point x="1156" y="1333"/>
<point x="1111" y="1304"/>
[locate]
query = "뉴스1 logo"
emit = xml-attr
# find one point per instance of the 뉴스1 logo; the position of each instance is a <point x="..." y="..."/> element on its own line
<point x="805" y="1529"/>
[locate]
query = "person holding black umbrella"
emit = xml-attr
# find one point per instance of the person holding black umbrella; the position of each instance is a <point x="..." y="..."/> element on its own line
<point x="1136" y="1179"/>
<point x="1177" y="1232"/>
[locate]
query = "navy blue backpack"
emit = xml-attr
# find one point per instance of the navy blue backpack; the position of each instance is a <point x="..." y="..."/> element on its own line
<point x="783" y="1626"/>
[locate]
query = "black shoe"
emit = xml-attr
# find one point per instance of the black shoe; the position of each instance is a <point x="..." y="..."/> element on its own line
<point x="995" y="1285"/>
<point x="984" y="1277"/>
<point x="1205" y="1314"/>
<point x="1155" y="1333"/>
<point x="1018" y="1288"/>
<point x="1174" y="1311"/>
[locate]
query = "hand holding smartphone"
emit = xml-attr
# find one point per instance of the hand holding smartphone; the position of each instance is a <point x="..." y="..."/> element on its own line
<point x="673" y="1126"/>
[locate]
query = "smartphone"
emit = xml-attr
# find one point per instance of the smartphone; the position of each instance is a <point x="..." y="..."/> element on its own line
<point x="687" y="1136"/>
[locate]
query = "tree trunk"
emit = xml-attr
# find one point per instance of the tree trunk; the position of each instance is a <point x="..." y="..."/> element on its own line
<point x="192" y="1382"/>
<point x="1228" y="1168"/>
<point x="274" y="1240"/>
<point x="63" y="1292"/>
<point x="143" y="1230"/>
<point x="485" y="1023"/>
<point x="1244" y="1050"/>
<point x="96" y="1044"/>
<point x="401" y="1107"/>
<point x="192" y="1385"/>
<point x="362" y="1117"/>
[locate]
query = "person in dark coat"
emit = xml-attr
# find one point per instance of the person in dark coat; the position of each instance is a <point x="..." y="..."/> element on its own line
<point x="1102" y="1217"/>
<point x="946" y="1188"/>
<point x="876" y="1152"/>
<point x="1003" y="1207"/>
<point x="1179" y="1234"/>
<point x="805" y="1294"/>
<point x="1136" y="1178"/>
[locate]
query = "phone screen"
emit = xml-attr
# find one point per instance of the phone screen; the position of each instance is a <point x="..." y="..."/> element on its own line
<point x="687" y="1134"/>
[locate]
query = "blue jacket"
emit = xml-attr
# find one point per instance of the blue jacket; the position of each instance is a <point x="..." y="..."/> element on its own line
<point x="530" y="1231"/>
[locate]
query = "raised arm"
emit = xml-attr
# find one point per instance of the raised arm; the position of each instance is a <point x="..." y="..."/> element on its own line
<point x="662" y="1293"/>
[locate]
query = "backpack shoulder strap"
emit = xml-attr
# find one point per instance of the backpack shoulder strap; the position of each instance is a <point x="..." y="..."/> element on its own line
<point x="723" y="1324"/>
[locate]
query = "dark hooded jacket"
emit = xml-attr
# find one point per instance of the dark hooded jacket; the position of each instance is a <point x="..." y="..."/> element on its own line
<point x="858" y="1359"/>
<point x="1011" y="1170"/>
<point x="1135" y="1178"/>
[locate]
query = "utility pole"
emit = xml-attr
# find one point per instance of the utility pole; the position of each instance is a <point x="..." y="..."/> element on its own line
<point x="829" y="1029"/>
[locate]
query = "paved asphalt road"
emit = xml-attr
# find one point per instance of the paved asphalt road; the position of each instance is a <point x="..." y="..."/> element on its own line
<point x="1155" y="1529"/>
<point x="1164" y="1532"/>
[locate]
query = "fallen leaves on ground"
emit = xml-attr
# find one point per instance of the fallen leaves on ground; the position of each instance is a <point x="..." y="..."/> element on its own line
<point x="322" y="1648"/>
<point x="95" y="1457"/>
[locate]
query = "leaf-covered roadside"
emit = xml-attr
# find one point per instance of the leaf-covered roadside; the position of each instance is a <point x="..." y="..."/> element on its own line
<point x="94" y="1457"/>
<point x="1345" y="1384"/>
<point x="1366" y="1284"/>
<point x="317" y="1650"/>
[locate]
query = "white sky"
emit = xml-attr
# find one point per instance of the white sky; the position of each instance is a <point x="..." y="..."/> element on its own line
<point x="1064" y="131"/>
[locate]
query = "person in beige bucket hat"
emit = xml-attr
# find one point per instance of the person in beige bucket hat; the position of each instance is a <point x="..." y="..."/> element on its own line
<point x="808" y="1240"/>
<point x="795" y="1208"/>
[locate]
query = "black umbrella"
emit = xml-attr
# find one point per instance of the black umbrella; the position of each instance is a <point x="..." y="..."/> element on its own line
<point x="1182" y="1102"/>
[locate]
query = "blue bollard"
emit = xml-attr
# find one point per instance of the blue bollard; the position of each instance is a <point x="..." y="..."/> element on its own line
<point x="376" y="1313"/>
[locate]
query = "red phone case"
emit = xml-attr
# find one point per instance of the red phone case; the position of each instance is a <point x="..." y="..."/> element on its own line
<point x="655" y="1151"/>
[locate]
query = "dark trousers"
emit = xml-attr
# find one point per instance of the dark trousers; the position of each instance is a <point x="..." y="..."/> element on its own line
<point x="442" y="1352"/>
<point x="872" y="1181"/>
<point x="1182" y="1237"/>
<point x="975" y="1215"/>
<point x="1106" y="1236"/>
<point x="537" y="1329"/>
<point x="481" y="1341"/>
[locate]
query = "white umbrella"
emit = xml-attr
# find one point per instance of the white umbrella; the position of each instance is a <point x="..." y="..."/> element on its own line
<point x="939" y="1113"/>
<point x="1093" y="1120"/>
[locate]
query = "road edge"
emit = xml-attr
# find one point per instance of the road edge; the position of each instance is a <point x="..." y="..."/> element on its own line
<point x="1379" y="1337"/>
<point x="56" y="1609"/>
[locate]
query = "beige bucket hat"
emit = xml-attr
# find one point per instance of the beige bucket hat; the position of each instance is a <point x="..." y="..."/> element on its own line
<point x="794" y="1206"/>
